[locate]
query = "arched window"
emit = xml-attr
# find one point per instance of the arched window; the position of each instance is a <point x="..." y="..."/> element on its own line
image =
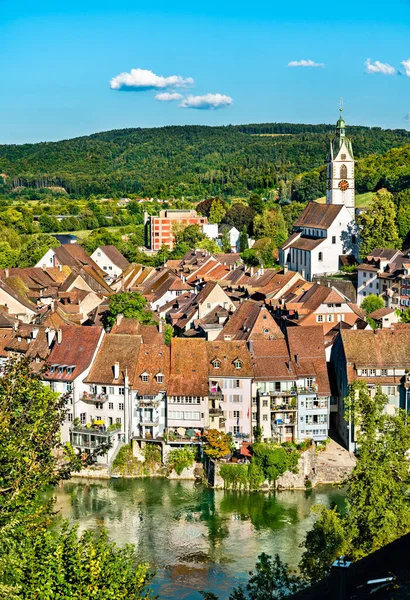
<point x="343" y="172"/>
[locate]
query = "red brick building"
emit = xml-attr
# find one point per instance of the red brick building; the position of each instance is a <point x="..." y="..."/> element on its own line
<point x="162" y="228"/>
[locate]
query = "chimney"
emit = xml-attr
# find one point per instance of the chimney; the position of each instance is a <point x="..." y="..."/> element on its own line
<point x="285" y="268"/>
<point x="251" y="271"/>
<point x="250" y="344"/>
<point x="50" y="336"/>
<point x="119" y="318"/>
<point x="116" y="370"/>
<point x="160" y="326"/>
<point x="6" y="273"/>
<point x="60" y="267"/>
<point x="59" y="336"/>
<point x="297" y="359"/>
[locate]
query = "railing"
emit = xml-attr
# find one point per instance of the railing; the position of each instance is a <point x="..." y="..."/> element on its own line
<point x="318" y="406"/>
<point x="85" y="437"/>
<point x="216" y="411"/>
<point x="149" y="421"/>
<point x="218" y="394"/>
<point x="90" y="397"/>
<point x="282" y="406"/>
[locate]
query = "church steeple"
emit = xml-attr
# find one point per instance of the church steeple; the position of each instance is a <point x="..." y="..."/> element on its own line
<point x="340" y="168"/>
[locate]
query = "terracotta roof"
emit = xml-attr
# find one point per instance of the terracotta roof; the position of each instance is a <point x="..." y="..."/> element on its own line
<point x="226" y="353"/>
<point x="129" y="326"/>
<point x="318" y="294"/>
<point x="115" y="348"/>
<point x="189" y="371"/>
<point x="6" y="335"/>
<point x="153" y="359"/>
<point x="14" y="287"/>
<point x="77" y="349"/>
<point x="115" y="256"/>
<point x="381" y="312"/>
<point x="319" y="216"/>
<point x="380" y="348"/>
<point x="383" y="253"/>
<point x="74" y="254"/>
<point x="307" y="244"/>
<point x="251" y="321"/>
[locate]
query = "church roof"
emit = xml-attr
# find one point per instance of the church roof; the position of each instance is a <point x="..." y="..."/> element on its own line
<point x="318" y="215"/>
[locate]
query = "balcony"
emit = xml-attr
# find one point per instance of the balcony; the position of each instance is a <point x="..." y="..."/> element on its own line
<point x="216" y="412"/>
<point x="148" y="420"/>
<point x="148" y="401"/>
<point x="216" y="394"/>
<point x="284" y="406"/>
<point x="93" y="397"/>
<point x="86" y="437"/>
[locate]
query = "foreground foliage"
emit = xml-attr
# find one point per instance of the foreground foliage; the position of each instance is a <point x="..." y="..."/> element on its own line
<point x="41" y="558"/>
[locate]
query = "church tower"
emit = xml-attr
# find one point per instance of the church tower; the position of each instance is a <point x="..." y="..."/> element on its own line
<point x="340" y="169"/>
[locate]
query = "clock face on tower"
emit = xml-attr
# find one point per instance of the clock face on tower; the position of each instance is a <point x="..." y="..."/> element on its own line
<point x="343" y="185"/>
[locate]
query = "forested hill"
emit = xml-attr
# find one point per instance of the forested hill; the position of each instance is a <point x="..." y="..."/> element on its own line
<point x="190" y="161"/>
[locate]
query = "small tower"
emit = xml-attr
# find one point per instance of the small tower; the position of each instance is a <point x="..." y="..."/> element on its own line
<point x="340" y="169"/>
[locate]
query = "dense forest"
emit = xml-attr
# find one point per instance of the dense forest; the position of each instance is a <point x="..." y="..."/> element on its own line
<point x="190" y="161"/>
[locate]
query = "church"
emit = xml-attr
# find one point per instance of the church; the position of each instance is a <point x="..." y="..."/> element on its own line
<point x="325" y="234"/>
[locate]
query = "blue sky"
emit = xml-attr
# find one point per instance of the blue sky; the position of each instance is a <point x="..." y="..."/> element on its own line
<point x="57" y="60"/>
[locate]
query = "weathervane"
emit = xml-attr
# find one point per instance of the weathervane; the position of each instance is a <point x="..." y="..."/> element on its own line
<point x="341" y="104"/>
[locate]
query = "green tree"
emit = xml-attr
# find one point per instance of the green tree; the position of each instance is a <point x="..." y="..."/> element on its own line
<point x="190" y="235"/>
<point x="372" y="303"/>
<point x="271" y="224"/>
<point x="291" y="212"/>
<point x="243" y="240"/>
<point x="210" y="245"/>
<point x="238" y="216"/>
<point x="217" y="211"/>
<point x="378" y="507"/>
<point x="226" y="240"/>
<point x="34" y="247"/>
<point x="256" y="203"/>
<point x="168" y="333"/>
<point x="324" y="543"/>
<point x="403" y="214"/>
<point x="130" y="304"/>
<point x="250" y="257"/>
<point x="377" y="224"/>
<point x="39" y="557"/>
<point x="8" y="256"/>
<point x="49" y="224"/>
<point x="404" y="315"/>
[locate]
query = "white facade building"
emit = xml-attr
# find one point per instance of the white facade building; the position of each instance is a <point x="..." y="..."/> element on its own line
<point x="325" y="232"/>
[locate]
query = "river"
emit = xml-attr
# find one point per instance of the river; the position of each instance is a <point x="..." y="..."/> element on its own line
<point x="197" y="538"/>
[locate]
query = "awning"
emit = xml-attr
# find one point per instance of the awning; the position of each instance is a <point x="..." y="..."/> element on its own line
<point x="99" y="422"/>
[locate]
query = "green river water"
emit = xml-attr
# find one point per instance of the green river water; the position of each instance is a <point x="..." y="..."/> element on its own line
<point x="196" y="538"/>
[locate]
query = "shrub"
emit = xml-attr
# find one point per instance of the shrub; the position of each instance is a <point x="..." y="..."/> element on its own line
<point x="180" y="459"/>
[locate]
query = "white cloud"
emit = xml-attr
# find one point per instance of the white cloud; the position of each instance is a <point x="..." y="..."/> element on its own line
<point x="142" y="79"/>
<point x="379" y="67"/>
<point x="305" y="63"/>
<point x="406" y="65"/>
<point x="168" y="97"/>
<point x="207" y="101"/>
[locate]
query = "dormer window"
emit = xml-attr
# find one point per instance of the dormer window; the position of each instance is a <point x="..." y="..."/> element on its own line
<point x="216" y="364"/>
<point x="61" y="370"/>
<point x="160" y="378"/>
<point x="144" y="377"/>
<point x="238" y="364"/>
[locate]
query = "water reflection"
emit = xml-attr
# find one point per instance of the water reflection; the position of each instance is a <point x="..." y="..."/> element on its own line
<point x="196" y="537"/>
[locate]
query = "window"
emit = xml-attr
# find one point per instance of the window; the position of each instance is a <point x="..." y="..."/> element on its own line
<point x="110" y="390"/>
<point x="83" y="418"/>
<point x="236" y="383"/>
<point x="320" y="256"/>
<point x="364" y="275"/>
<point x="364" y="293"/>
<point x="236" y="414"/>
<point x="238" y="364"/>
<point x="330" y="318"/>
<point x="264" y="403"/>
<point x="118" y="420"/>
<point x="333" y="239"/>
<point x="69" y="417"/>
<point x="319" y="318"/>
<point x="265" y="417"/>
<point x="364" y="371"/>
<point x="121" y="391"/>
<point x="236" y="429"/>
<point x="254" y="416"/>
<point x="208" y="305"/>
<point x="391" y="391"/>
<point x="111" y="405"/>
<point x="309" y="382"/>
<point x="216" y="364"/>
<point x="343" y="172"/>
<point x="160" y="378"/>
<point x="144" y="377"/>
<point x="236" y="398"/>
<point x="99" y="405"/>
<point x="121" y="406"/>
<point x="383" y="372"/>
<point x="372" y="372"/>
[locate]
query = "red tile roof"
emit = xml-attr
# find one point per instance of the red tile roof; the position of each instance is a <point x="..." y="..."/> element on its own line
<point x="77" y="349"/>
